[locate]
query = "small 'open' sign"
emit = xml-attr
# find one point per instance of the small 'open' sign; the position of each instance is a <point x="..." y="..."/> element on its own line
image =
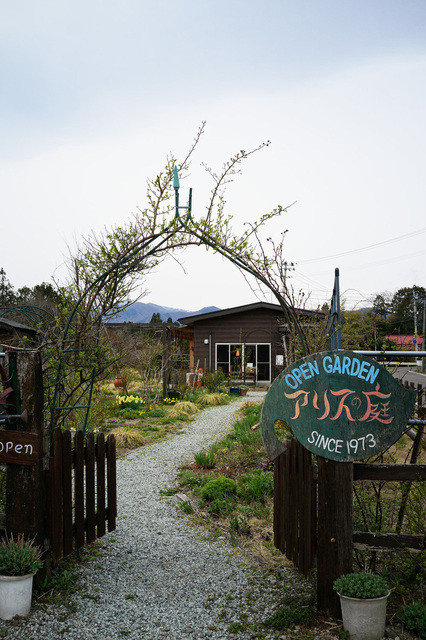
<point x="18" y="447"/>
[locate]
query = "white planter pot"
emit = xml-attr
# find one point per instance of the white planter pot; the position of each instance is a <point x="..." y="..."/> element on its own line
<point x="364" y="618"/>
<point x="15" y="595"/>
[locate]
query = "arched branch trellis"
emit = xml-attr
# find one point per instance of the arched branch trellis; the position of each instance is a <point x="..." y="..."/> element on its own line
<point x="146" y="248"/>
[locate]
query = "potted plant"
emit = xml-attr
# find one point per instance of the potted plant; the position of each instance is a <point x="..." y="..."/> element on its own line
<point x="234" y="391"/>
<point x="20" y="560"/>
<point x="363" y="599"/>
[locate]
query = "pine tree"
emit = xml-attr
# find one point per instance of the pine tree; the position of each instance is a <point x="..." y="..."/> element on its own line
<point x="7" y="294"/>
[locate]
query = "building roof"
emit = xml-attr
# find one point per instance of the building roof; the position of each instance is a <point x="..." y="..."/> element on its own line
<point x="187" y="320"/>
<point x="11" y="325"/>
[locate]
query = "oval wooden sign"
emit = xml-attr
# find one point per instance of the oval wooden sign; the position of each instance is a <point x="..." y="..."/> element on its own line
<point x="340" y="405"/>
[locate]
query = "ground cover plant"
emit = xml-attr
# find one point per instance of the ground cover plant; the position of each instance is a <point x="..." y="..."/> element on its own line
<point x="413" y="617"/>
<point x="137" y="418"/>
<point x="233" y="482"/>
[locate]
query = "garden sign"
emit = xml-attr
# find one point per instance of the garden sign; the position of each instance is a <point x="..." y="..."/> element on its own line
<point x="339" y="404"/>
<point x="18" y="447"/>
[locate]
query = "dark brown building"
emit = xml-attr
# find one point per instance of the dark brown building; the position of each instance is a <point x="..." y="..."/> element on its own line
<point x="246" y="342"/>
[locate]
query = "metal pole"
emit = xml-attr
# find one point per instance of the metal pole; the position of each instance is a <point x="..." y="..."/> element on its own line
<point x="415" y="319"/>
<point x="339" y="321"/>
<point x="423" y="331"/>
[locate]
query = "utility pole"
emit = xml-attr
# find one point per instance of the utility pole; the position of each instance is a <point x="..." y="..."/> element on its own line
<point x="415" y="319"/>
<point x="288" y="266"/>
<point x="423" y="331"/>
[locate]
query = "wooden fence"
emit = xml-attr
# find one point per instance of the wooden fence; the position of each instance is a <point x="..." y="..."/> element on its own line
<point x="65" y="499"/>
<point x="81" y="490"/>
<point x="295" y="506"/>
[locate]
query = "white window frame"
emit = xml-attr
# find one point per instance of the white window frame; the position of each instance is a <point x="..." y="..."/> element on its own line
<point x="242" y="346"/>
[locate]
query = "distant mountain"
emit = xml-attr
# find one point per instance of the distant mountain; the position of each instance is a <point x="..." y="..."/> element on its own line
<point x="143" y="311"/>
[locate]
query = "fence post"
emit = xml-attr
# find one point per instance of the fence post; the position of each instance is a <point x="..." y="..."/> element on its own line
<point x="25" y="484"/>
<point x="279" y="497"/>
<point x="335" y="530"/>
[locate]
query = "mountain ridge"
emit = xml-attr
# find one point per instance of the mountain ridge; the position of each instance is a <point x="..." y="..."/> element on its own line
<point x="143" y="312"/>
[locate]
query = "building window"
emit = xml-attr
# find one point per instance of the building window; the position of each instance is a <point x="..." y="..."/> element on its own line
<point x="245" y="362"/>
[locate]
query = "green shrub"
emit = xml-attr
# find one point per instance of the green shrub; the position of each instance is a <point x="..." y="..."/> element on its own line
<point x="413" y="616"/>
<point x="405" y="572"/>
<point x="212" y="381"/>
<point x="361" y="585"/>
<point x="192" y="479"/>
<point x="192" y="394"/>
<point x="218" y="488"/>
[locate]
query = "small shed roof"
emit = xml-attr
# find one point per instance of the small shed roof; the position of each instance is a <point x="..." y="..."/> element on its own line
<point x="12" y="325"/>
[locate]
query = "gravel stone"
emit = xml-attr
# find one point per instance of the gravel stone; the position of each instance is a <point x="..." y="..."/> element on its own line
<point x="157" y="577"/>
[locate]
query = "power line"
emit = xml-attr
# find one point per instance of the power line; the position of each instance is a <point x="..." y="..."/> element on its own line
<point x="381" y="263"/>
<point x="367" y="248"/>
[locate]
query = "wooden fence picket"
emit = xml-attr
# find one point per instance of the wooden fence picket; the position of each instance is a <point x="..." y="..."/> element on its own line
<point x="79" y="479"/>
<point x="295" y="506"/>
<point x="100" y="484"/>
<point x="90" y="488"/>
<point x="67" y="492"/>
<point x="111" y="484"/>
<point x="56" y="519"/>
<point x="79" y="488"/>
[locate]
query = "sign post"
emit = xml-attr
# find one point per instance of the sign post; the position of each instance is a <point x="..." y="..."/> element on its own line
<point x="342" y="407"/>
<point x="22" y="448"/>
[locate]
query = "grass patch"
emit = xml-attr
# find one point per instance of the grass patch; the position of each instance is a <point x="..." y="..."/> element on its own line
<point x="213" y="399"/>
<point x="128" y="438"/>
<point x="183" y="410"/>
<point x="286" y="617"/>
<point x="187" y="507"/>
<point x="205" y="459"/>
<point x="256" y="486"/>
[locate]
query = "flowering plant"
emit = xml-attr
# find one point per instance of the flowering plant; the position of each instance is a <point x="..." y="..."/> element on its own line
<point x="19" y="557"/>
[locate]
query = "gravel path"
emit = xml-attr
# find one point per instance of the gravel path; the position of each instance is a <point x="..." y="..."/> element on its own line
<point x="156" y="577"/>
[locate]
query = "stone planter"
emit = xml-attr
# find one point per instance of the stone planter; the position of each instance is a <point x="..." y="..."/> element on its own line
<point x="15" y="595"/>
<point x="364" y="618"/>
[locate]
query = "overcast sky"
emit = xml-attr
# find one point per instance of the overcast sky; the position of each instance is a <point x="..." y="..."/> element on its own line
<point x="95" y="94"/>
